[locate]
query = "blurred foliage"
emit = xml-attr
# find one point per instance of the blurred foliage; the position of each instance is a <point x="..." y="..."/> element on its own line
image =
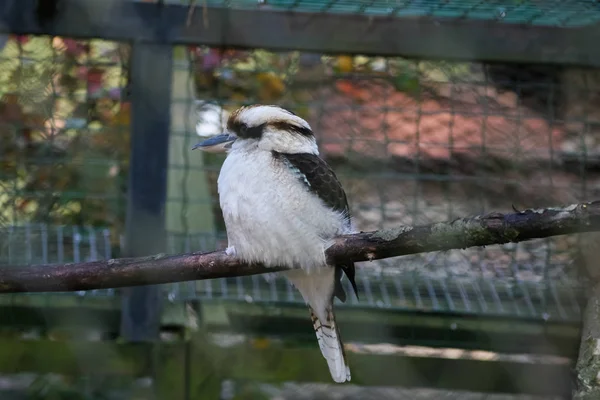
<point x="63" y="131"/>
<point x="245" y="77"/>
<point x="250" y="390"/>
<point x="64" y="115"/>
<point x="56" y="387"/>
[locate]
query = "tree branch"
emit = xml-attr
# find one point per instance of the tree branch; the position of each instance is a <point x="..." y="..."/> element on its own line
<point x="494" y="228"/>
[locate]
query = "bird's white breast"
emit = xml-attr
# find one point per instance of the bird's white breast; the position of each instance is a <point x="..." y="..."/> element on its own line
<point x="270" y="215"/>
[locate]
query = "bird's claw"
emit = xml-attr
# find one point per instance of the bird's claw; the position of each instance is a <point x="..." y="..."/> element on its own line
<point x="230" y="251"/>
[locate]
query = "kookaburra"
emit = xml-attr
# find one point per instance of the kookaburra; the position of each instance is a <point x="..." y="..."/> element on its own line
<point x="282" y="206"/>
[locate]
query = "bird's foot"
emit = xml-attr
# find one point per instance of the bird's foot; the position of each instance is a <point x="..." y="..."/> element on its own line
<point x="230" y="251"/>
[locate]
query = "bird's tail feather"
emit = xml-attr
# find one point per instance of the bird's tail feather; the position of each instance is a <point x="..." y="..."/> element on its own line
<point x="331" y="345"/>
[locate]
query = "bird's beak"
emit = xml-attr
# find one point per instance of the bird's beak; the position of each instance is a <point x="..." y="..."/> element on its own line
<point x="216" y="144"/>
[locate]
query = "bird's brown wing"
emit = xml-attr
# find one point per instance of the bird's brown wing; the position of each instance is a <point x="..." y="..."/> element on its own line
<point x="319" y="179"/>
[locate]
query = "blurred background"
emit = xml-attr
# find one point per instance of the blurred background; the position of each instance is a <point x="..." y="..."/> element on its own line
<point x="427" y="110"/>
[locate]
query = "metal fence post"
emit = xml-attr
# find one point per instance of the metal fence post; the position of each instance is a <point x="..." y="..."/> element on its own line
<point x="150" y="90"/>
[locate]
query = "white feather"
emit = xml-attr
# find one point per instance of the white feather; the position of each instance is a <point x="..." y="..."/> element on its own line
<point x="316" y="288"/>
<point x="257" y="115"/>
<point x="272" y="218"/>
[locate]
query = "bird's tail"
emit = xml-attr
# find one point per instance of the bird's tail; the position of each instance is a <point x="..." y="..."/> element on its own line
<point x="330" y="343"/>
<point x="318" y="288"/>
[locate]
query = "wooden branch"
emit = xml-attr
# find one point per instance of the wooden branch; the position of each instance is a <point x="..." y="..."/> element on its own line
<point x="494" y="228"/>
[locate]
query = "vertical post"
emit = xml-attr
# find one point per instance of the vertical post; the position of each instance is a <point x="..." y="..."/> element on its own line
<point x="150" y="90"/>
<point x="587" y="369"/>
<point x="189" y="210"/>
<point x="588" y="361"/>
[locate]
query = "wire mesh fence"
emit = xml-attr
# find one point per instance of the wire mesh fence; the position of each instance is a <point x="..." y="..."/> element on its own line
<point x="64" y="131"/>
<point x="572" y="13"/>
<point x="394" y="288"/>
<point x="412" y="141"/>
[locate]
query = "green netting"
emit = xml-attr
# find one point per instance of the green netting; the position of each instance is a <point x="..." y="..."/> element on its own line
<point x="413" y="142"/>
<point x="550" y="13"/>
<point x="63" y="131"/>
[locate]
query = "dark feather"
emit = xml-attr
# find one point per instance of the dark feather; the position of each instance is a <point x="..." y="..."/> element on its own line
<point x="289" y="127"/>
<point x="350" y="273"/>
<point x="320" y="179"/>
<point x="338" y="289"/>
<point x="236" y="125"/>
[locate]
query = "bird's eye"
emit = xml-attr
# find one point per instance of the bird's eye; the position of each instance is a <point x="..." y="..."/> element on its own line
<point x="250" y="132"/>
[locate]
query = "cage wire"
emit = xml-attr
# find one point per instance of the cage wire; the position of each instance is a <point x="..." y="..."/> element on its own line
<point x="64" y="140"/>
<point x="413" y="142"/>
<point x="557" y="13"/>
<point x="416" y="143"/>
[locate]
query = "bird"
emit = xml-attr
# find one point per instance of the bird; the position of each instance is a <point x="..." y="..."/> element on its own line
<point x="283" y="205"/>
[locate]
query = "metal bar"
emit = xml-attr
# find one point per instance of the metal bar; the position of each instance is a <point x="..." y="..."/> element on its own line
<point x="107" y="358"/>
<point x="447" y="294"/>
<point x="463" y="295"/>
<point x="384" y="293"/>
<point x="451" y="39"/>
<point x="377" y="325"/>
<point x="151" y="66"/>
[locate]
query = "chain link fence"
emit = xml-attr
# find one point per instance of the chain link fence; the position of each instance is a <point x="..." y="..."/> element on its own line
<point x="416" y="143"/>
<point x="412" y="141"/>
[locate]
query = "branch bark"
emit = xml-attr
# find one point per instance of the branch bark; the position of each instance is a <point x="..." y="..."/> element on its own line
<point x="494" y="228"/>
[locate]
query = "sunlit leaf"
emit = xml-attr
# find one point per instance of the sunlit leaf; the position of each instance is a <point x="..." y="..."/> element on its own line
<point x="344" y="64"/>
